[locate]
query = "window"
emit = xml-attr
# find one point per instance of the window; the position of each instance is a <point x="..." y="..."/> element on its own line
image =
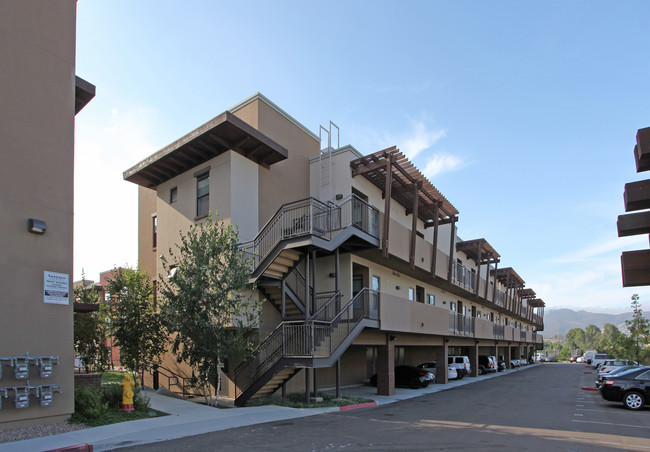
<point x="173" y="195"/>
<point x="375" y="283"/>
<point x="411" y="294"/>
<point x="419" y="294"/>
<point x="452" y="305"/>
<point x="154" y="230"/>
<point x="202" y="195"/>
<point x="431" y="299"/>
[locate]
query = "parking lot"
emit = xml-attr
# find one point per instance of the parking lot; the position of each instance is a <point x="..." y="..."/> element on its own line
<point x="542" y="407"/>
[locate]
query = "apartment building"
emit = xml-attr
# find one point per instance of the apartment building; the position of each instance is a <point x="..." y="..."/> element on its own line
<point x="40" y="98"/>
<point x="356" y="258"/>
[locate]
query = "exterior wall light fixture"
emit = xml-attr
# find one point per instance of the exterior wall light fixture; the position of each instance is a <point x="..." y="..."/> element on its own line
<point x="36" y="226"/>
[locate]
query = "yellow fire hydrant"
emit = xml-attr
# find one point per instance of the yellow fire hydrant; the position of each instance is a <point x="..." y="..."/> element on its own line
<point x="127" y="393"/>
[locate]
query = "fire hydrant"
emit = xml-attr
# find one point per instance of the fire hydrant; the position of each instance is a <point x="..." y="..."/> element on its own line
<point x="127" y="393"/>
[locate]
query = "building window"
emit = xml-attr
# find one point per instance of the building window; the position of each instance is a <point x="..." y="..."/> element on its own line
<point x="411" y="294"/>
<point x="202" y="195"/>
<point x="173" y="195"/>
<point x="419" y="294"/>
<point x="431" y="299"/>
<point x="452" y="306"/>
<point x="154" y="230"/>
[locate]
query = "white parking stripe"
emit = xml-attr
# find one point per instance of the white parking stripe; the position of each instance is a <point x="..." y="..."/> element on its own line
<point x="607" y="411"/>
<point x="611" y="423"/>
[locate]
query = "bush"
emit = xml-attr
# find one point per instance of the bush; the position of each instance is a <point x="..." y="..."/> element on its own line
<point x="89" y="403"/>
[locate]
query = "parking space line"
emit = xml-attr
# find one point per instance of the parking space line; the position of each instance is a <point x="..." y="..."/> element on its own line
<point x="606" y="411"/>
<point x="611" y="423"/>
<point x="577" y="414"/>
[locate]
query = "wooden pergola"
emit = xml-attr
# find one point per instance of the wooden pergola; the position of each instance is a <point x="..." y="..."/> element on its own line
<point x="513" y="283"/>
<point x="481" y="252"/>
<point x="399" y="180"/>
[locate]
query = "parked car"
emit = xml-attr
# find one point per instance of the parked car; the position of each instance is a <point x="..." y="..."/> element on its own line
<point x="501" y="363"/>
<point x="611" y="365"/>
<point x="487" y="363"/>
<point x="580" y="359"/>
<point x="410" y="377"/>
<point x="430" y="366"/>
<point x="614" y="373"/>
<point x="631" y="387"/>
<point x="514" y="363"/>
<point x="551" y="359"/>
<point x="589" y="356"/>
<point x="573" y="359"/>
<point x="599" y="359"/>
<point x="461" y="363"/>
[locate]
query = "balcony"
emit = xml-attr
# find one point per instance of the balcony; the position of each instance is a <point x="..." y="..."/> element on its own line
<point x="463" y="277"/>
<point x="461" y="325"/>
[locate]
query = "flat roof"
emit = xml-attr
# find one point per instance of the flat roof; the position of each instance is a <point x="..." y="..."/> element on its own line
<point x="221" y="134"/>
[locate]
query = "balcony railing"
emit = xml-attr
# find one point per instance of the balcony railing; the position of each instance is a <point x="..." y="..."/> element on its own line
<point x="311" y="217"/>
<point x="462" y="276"/>
<point x="500" y="298"/>
<point x="461" y="324"/>
<point x="498" y="331"/>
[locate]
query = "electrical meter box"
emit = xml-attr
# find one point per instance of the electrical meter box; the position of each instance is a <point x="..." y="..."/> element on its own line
<point x="21" y="371"/>
<point x="21" y="399"/>
<point x="45" y="369"/>
<point x="46" y="397"/>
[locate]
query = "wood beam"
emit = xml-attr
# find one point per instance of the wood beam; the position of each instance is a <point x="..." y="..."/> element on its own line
<point x="636" y="268"/>
<point x="434" y="255"/>
<point x="637" y="195"/>
<point x="451" y="249"/>
<point x="478" y="269"/>
<point x="389" y="184"/>
<point x="633" y="224"/>
<point x="367" y="167"/>
<point x="642" y="150"/>
<point x="414" y="223"/>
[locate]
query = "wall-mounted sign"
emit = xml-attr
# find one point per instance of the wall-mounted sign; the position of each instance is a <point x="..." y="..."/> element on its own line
<point x="56" y="288"/>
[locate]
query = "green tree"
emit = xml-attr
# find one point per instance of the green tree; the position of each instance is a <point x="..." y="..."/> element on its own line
<point x="136" y="322"/>
<point x="639" y="328"/>
<point x="608" y="339"/>
<point x="210" y="315"/>
<point x="592" y="337"/>
<point x="575" y="338"/>
<point x="90" y="328"/>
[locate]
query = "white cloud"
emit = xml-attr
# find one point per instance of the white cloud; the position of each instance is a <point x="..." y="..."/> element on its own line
<point x="419" y="139"/>
<point x="442" y="163"/>
<point x="105" y="205"/>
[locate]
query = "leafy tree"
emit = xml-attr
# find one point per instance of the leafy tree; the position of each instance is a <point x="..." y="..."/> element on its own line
<point x="90" y="328"/>
<point x="592" y="336"/>
<point x="575" y="338"/>
<point x="608" y="339"/>
<point x="136" y="323"/>
<point x="210" y="317"/>
<point x="639" y="328"/>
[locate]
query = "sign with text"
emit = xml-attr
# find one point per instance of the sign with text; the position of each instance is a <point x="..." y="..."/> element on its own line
<point x="56" y="288"/>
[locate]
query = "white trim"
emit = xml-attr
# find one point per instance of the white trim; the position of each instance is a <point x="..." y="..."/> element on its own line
<point x="263" y="98"/>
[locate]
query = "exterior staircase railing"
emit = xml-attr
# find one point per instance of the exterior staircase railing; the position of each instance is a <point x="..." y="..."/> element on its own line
<point x="311" y="217"/>
<point x="315" y="338"/>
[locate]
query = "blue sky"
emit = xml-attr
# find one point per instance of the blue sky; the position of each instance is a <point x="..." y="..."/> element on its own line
<point x="524" y="115"/>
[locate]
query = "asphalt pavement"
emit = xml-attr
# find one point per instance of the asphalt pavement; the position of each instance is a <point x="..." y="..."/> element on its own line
<point x="188" y="418"/>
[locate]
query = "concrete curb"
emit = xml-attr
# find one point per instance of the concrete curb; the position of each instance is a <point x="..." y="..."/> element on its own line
<point x="357" y="406"/>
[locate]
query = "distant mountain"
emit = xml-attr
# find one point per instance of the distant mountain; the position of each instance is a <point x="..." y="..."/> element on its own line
<point x="559" y="321"/>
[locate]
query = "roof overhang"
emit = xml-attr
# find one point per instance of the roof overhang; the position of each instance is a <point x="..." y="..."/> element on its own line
<point x="479" y="250"/>
<point x="224" y="133"/>
<point x="536" y="303"/>
<point x="509" y="278"/>
<point x="83" y="93"/>
<point x="527" y="293"/>
<point x="406" y="180"/>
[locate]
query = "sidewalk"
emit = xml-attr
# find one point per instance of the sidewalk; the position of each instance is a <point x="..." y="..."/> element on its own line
<point x="190" y="418"/>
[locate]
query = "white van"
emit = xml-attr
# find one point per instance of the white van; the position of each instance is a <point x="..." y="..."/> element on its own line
<point x="461" y="363"/>
<point x="589" y="356"/>
<point x="599" y="359"/>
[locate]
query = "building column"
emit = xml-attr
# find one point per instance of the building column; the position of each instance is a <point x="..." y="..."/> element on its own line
<point x="386" y="368"/>
<point x="473" y="359"/>
<point x="507" y="357"/>
<point x="338" y="378"/>
<point x="442" y="353"/>
<point x="315" y="391"/>
<point x="307" y="390"/>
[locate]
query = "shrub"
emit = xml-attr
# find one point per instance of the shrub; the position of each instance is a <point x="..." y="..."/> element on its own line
<point x="113" y="397"/>
<point x="89" y="403"/>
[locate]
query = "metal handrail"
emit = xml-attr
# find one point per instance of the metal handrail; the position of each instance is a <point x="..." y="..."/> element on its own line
<point x="183" y="379"/>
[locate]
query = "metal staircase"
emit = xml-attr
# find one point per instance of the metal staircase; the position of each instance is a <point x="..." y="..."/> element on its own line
<point x="294" y="345"/>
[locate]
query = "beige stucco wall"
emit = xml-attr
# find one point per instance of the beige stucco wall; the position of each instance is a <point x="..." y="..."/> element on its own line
<point x="36" y="177"/>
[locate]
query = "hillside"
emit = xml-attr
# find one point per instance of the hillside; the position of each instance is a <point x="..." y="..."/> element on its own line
<point x="559" y="321"/>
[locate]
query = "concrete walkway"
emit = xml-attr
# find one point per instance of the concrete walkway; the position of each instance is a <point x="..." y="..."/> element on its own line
<point x="190" y="418"/>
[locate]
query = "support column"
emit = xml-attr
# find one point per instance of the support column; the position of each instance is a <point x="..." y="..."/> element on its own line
<point x="434" y="255"/>
<point x="387" y="194"/>
<point x="338" y="379"/>
<point x="337" y="282"/>
<point x="315" y="392"/>
<point x="414" y="222"/>
<point x="314" y="308"/>
<point x="494" y="289"/>
<point x="478" y="271"/>
<point x="473" y="359"/>
<point x="442" y="353"/>
<point x="451" y="248"/>
<point x="507" y="357"/>
<point x="307" y="390"/>
<point x="283" y="291"/>
<point x="386" y="368"/>
<point x="307" y="286"/>
<point x="495" y="353"/>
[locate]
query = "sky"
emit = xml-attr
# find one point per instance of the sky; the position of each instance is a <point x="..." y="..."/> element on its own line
<point x="523" y="114"/>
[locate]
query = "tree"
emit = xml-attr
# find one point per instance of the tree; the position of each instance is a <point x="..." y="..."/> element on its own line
<point x="90" y="328"/>
<point x="592" y="336"/>
<point x="136" y="323"/>
<point x="210" y="317"/>
<point x="575" y="338"/>
<point x="608" y="339"/>
<point x="639" y="328"/>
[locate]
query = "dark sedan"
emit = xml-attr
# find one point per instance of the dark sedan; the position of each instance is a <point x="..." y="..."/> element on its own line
<point x="631" y="387"/>
<point x="615" y="373"/>
<point x="410" y="377"/>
